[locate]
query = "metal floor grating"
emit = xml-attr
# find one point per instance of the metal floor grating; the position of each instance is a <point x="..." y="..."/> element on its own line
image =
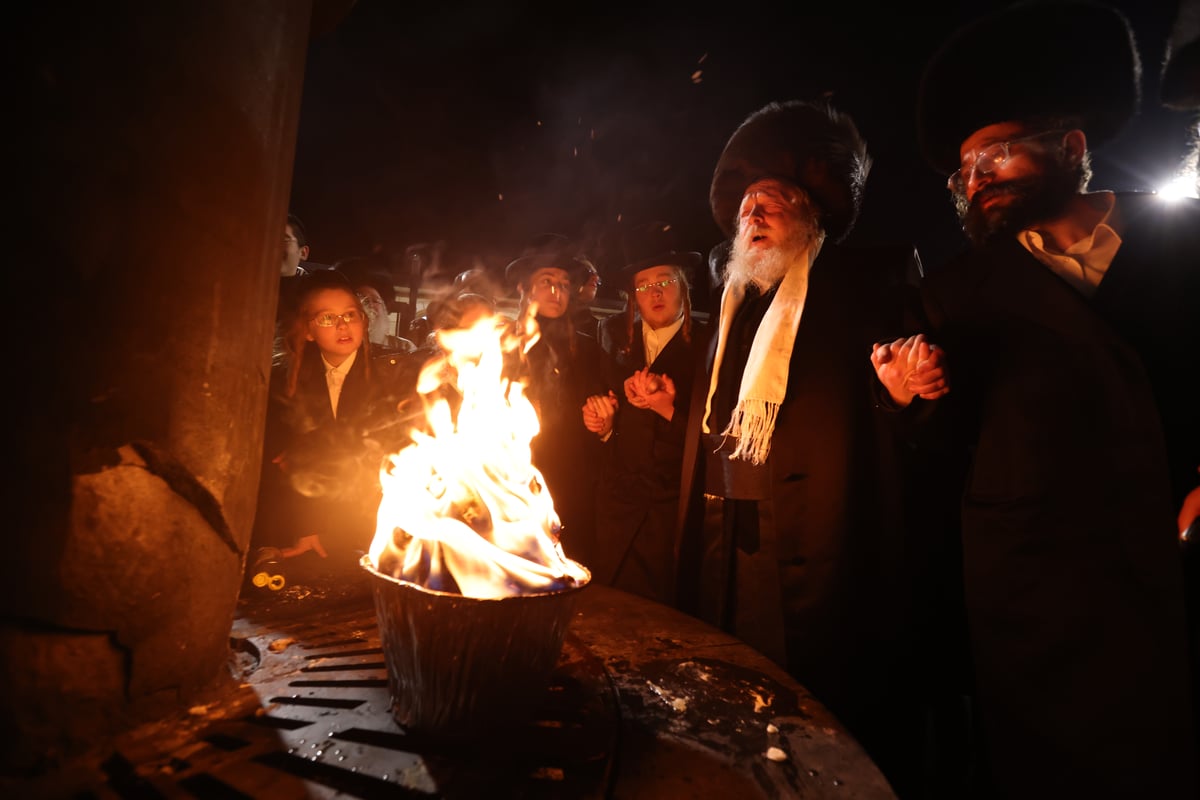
<point x="644" y="704"/>
<point x="323" y="728"/>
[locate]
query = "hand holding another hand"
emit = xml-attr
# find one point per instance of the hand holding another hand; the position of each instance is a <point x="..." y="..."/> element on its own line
<point x="910" y="368"/>
<point x="598" y="412"/>
<point x="645" y="389"/>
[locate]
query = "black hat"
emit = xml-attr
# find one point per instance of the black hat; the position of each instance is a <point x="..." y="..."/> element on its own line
<point x="545" y="251"/>
<point x="1029" y="62"/>
<point x="655" y="244"/>
<point x="810" y="145"/>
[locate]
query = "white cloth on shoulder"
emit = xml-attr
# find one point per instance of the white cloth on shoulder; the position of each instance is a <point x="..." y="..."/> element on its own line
<point x="764" y="379"/>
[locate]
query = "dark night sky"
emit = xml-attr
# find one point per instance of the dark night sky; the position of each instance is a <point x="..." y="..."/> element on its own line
<point x="586" y="119"/>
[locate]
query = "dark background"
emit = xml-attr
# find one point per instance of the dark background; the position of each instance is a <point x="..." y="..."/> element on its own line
<point x="484" y="124"/>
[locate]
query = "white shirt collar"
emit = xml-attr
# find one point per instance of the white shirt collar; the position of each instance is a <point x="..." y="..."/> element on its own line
<point x="655" y="340"/>
<point x="342" y="368"/>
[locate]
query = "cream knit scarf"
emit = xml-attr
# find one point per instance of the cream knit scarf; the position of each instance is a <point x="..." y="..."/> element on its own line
<point x="764" y="380"/>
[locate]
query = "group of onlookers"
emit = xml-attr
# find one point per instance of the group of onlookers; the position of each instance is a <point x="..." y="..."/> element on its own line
<point x="948" y="502"/>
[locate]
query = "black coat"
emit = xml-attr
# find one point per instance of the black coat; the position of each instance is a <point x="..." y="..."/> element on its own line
<point x="827" y="584"/>
<point x="1071" y="566"/>
<point x="565" y="367"/>
<point x="638" y="502"/>
<point x="320" y="474"/>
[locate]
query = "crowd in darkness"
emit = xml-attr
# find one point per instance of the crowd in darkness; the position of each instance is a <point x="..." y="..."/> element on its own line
<point x="950" y="499"/>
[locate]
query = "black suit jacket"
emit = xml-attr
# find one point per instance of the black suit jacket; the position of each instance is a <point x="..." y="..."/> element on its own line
<point x="1072" y="571"/>
<point x="644" y="488"/>
<point x="827" y="585"/>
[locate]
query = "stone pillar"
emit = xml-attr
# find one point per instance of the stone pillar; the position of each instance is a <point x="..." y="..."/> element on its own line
<point x="153" y="170"/>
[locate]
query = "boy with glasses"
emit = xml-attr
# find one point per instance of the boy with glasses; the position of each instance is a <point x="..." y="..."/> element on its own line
<point x="653" y="351"/>
<point x="331" y="416"/>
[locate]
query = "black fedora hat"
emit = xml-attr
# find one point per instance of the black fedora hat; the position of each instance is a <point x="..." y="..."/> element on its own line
<point x="655" y="244"/>
<point x="1082" y="63"/>
<point x="545" y="251"/>
<point x="811" y="145"/>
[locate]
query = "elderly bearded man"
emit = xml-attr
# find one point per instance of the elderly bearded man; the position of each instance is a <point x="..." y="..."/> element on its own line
<point x="803" y="553"/>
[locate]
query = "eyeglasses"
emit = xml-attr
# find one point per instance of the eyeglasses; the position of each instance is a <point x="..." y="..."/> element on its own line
<point x="989" y="159"/>
<point x="328" y="320"/>
<point x="660" y="285"/>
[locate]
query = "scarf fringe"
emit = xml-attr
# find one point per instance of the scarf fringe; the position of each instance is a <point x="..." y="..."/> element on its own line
<point x="752" y="424"/>
<point x="764" y="376"/>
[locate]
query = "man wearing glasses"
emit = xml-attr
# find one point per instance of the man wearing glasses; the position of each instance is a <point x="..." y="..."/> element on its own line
<point x="563" y="372"/>
<point x="802" y="542"/>
<point x="587" y="283"/>
<point x="1070" y="330"/>
<point x="295" y="250"/>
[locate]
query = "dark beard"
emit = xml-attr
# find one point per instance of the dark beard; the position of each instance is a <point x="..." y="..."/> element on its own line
<point x="1036" y="199"/>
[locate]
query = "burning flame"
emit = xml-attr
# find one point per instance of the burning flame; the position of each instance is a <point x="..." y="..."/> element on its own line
<point x="464" y="510"/>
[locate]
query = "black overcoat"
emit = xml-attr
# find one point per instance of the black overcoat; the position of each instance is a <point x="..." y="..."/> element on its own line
<point x="638" y="501"/>
<point x="1071" y="568"/>
<point x="565" y="367"/>
<point x="828" y="586"/>
<point x="320" y="475"/>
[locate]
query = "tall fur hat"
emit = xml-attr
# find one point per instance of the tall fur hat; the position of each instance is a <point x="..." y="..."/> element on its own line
<point x="811" y="145"/>
<point x="1031" y="61"/>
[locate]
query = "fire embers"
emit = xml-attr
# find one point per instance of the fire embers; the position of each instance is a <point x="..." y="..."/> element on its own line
<point x="464" y="510"/>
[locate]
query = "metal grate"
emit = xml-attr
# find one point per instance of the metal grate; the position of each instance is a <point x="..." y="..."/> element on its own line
<point x="324" y="727"/>
<point x="644" y="703"/>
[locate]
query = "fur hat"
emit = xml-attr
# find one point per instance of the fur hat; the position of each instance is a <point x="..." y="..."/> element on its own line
<point x="547" y="250"/>
<point x="811" y="145"/>
<point x="1028" y="62"/>
<point x="654" y="244"/>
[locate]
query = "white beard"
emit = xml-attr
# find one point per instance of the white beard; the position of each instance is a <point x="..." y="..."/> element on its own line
<point x="379" y="330"/>
<point x="766" y="268"/>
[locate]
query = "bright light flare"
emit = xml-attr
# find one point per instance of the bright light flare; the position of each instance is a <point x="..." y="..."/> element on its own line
<point x="464" y="510"/>
<point x="1184" y="185"/>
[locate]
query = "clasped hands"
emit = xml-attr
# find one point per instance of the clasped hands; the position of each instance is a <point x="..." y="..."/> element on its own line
<point x="910" y="368"/>
<point x="643" y="389"/>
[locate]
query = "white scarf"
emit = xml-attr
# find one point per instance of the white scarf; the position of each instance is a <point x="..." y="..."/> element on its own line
<point x="764" y="380"/>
